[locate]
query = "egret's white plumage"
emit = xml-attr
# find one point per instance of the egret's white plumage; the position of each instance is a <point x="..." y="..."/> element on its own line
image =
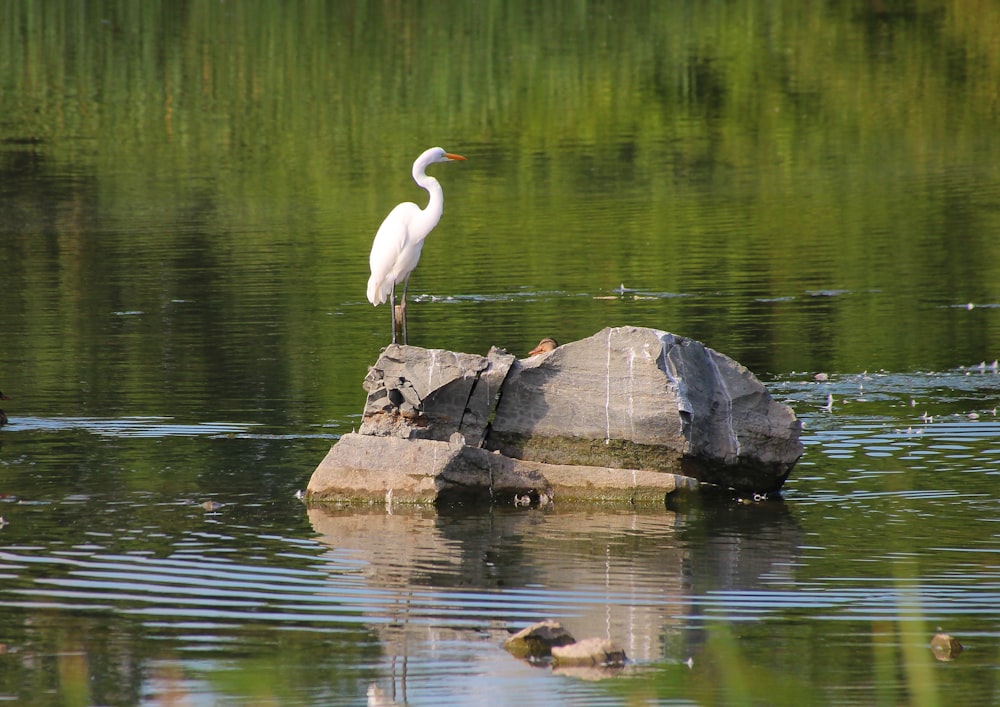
<point x="396" y="250"/>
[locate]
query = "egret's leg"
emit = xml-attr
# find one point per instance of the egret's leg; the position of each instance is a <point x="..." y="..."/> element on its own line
<point x="402" y="304"/>
<point x="398" y="321"/>
<point x="392" y="310"/>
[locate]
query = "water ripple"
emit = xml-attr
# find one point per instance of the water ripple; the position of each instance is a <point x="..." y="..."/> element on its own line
<point x="154" y="427"/>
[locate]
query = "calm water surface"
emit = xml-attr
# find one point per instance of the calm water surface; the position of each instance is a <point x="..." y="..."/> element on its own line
<point x="187" y="198"/>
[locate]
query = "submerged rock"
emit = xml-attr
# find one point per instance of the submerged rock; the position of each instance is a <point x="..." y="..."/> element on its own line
<point x="538" y="641"/>
<point x="945" y="647"/>
<point x="422" y="471"/>
<point x="589" y="659"/>
<point x="627" y="414"/>
<point x="589" y="652"/>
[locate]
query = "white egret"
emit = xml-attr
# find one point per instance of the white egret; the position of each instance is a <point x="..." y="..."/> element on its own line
<point x="396" y="250"/>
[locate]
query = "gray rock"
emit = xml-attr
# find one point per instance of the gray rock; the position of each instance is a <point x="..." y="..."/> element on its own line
<point x="370" y="468"/>
<point x="417" y="393"/>
<point x="538" y="640"/>
<point x="631" y="397"/>
<point x="945" y="647"/>
<point x="550" y="639"/>
<point x="629" y="414"/>
<point x="589" y="651"/>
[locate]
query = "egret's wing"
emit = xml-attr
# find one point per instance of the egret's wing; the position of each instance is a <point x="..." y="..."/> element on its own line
<point x="389" y="249"/>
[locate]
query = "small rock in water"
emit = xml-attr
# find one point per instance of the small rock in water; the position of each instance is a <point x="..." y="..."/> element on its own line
<point x="211" y="505"/>
<point x="538" y="640"/>
<point x="589" y="651"/>
<point x="945" y="647"/>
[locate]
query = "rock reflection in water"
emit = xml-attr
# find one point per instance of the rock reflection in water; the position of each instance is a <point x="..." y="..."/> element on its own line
<point x="633" y="577"/>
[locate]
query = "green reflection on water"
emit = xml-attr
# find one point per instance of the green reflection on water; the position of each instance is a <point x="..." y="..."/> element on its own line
<point x="222" y="169"/>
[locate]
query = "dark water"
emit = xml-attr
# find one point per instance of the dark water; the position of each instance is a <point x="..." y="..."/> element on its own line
<point x="188" y="193"/>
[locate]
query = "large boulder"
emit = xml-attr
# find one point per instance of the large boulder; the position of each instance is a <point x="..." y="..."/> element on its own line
<point x="631" y="397"/>
<point x="627" y="414"/>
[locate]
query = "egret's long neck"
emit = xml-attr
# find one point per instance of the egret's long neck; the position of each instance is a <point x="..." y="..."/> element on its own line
<point x="435" y="206"/>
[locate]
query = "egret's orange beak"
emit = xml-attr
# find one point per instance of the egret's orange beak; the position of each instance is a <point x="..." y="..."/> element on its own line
<point x="450" y="156"/>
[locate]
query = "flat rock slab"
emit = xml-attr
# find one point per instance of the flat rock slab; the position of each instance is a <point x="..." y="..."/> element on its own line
<point x="537" y="641"/>
<point x="368" y="468"/>
<point x="364" y="467"/>
<point x="589" y="652"/>
<point x="589" y="659"/>
<point x="600" y="483"/>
